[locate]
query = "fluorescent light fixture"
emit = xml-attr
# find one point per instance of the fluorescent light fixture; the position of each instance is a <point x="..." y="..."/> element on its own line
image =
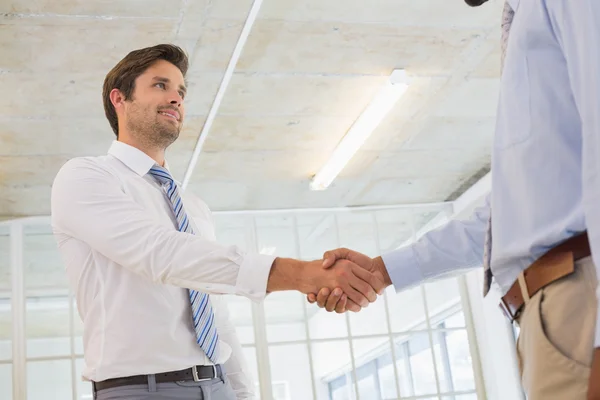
<point x="362" y="128"/>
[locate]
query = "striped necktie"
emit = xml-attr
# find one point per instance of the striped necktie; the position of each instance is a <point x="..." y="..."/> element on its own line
<point x="507" y="18"/>
<point x="202" y="312"/>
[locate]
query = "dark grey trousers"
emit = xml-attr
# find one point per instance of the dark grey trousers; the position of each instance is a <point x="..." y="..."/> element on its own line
<point x="215" y="389"/>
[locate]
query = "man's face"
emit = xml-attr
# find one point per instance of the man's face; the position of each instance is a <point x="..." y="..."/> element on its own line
<point x="155" y="111"/>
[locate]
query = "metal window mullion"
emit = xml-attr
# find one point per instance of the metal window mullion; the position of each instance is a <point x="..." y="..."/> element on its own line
<point x="431" y="344"/>
<point x="408" y="367"/>
<point x="387" y="311"/>
<point x="426" y="308"/>
<point x="260" y="327"/>
<point x="262" y="351"/>
<point x="305" y="311"/>
<point x="377" y="380"/>
<point x="19" y="350"/>
<point x="348" y="386"/>
<point x="371" y="336"/>
<point x="446" y="360"/>
<point x="347" y="319"/>
<point x="472" y="338"/>
<point x="52" y="358"/>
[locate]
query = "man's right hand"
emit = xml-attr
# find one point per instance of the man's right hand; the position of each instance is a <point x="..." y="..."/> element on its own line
<point x="358" y="285"/>
<point x="336" y="300"/>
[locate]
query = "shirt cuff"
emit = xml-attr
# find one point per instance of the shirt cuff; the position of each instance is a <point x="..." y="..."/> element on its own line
<point x="253" y="276"/>
<point x="403" y="267"/>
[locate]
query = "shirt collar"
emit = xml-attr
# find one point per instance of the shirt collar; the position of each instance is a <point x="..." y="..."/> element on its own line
<point x="514" y="4"/>
<point x="138" y="161"/>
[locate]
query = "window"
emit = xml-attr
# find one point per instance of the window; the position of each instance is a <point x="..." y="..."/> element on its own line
<point x="417" y="363"/>
<point x="5" y="299"/>
<point x="338" y="389"/>
<point x="386" y="377"/>
<point x="412" y="343"/>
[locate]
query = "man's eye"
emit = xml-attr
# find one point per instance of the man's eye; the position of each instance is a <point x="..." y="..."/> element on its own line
<point x="160" y="85"/>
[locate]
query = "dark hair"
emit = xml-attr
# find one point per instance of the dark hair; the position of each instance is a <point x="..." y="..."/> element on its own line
<point x="124" y="74"/>
<point x="475" y="3"/>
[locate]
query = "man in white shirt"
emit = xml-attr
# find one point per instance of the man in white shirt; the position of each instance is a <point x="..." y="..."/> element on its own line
<point x="143" y="261"/>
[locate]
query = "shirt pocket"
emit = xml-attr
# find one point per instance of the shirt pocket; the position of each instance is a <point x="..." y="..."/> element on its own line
<point x="513" y="124"/>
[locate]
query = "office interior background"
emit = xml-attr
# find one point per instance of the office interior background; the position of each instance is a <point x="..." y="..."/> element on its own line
<point x="310" y="125"/>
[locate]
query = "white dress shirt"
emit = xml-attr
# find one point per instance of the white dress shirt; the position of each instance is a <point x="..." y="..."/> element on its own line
<point x="130" y="268"/>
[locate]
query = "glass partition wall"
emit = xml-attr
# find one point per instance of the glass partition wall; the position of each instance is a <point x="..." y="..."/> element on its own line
<point x="6" y="330"/>
<point x="416" y="344"/>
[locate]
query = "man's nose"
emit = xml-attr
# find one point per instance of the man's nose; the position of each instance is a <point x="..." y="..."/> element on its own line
<point x="176" y="99"/>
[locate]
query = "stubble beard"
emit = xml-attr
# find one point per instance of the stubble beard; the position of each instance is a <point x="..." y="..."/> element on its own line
<point x="149" y="131"/>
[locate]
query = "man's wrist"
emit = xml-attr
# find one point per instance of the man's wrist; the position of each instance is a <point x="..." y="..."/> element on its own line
<point x="287" y="274"/>
<point x="380" y="267"/>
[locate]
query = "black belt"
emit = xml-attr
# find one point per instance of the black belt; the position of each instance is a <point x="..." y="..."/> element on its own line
<point x="196" y="373"/>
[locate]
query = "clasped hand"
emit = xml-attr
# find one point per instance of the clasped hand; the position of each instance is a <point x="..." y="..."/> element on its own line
<point x="358" y="280"/>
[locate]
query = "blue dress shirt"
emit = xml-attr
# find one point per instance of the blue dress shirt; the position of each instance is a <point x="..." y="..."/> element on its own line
<point x="545" y="156"/>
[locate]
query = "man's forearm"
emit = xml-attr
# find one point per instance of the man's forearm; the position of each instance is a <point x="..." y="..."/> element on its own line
<point x="288" y="274"/>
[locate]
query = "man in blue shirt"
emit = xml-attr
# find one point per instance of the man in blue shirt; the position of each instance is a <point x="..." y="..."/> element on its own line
<point x="541" y="220"/>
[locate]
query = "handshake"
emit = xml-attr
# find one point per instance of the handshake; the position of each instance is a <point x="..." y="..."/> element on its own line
<point x="344" y="280"/>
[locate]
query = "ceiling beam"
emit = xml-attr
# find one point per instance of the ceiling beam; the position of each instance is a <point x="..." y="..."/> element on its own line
<point x="212" y="114"/>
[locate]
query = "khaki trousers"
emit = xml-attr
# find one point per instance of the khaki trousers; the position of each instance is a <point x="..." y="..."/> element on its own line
<point x="556" y="339"/>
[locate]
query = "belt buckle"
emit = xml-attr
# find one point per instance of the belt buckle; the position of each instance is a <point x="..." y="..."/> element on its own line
<point x="197" y="379"/>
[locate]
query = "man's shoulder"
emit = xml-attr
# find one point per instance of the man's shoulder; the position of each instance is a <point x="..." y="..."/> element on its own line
<point x="89" y="160"/>
<point x="87" y="165"/>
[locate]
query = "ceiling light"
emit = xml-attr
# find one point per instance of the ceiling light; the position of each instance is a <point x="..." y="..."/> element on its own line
<point x="362" y="128"/>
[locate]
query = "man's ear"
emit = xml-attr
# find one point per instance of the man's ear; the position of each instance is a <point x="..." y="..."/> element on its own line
<point x="117" y="98"/>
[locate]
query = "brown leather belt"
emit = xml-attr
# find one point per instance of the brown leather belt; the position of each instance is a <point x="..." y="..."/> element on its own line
<point x="553" y="265"/>
<point x="197" y="374"/>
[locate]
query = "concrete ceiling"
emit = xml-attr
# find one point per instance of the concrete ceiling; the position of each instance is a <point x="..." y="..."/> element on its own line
<point x="306" y="72"/>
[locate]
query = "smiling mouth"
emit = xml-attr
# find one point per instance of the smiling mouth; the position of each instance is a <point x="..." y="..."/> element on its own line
<point x="169" y="115"/>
